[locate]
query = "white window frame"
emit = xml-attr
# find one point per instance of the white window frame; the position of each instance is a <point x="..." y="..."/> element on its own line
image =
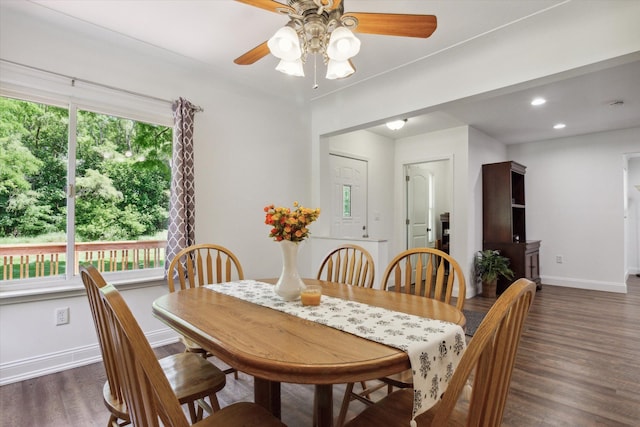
<point x="33" y="85"/>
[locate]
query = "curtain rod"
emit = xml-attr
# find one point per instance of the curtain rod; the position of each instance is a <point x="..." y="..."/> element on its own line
<point x="76" y="79"/>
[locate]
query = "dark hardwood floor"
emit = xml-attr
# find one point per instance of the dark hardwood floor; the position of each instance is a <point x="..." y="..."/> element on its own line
<point x="578" y="365"/>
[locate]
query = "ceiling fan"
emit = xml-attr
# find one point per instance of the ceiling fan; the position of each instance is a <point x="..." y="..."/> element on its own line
<point x="322" y="28"/>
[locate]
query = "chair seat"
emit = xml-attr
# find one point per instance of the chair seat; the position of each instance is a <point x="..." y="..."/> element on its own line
<point x="191" y="378"/>
<point x="191" y="346"/>
<point x="117" y="407"/>
<point x="395" y="410"/>
<point x="241" y="414"/>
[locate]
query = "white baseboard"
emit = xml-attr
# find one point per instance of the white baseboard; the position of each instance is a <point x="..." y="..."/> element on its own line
<point x="50" y="363"/>
<point x="591" y="285"/>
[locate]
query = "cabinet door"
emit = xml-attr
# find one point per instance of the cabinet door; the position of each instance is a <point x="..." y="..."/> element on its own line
<point x="532" y="270"/>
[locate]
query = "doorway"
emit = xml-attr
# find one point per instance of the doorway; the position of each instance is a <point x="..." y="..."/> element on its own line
<point x="632" y="213"/>
<point x="420" y="205"/>
<point x="428" y="195"/>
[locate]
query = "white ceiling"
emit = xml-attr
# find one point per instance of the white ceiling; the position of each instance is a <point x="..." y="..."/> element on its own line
<point x="215" y="32"/>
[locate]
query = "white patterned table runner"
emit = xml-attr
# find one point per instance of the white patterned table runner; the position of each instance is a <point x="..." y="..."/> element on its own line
<point x="434" y="346"/>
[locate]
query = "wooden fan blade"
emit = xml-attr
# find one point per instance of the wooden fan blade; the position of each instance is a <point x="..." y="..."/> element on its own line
<point x="253" y="55"/>
<point x="335" y="5"/>
<point x="270" y="5"/>
<point x="394" y="24"/>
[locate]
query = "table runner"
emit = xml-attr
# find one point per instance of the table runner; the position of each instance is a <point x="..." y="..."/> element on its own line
<point x="434" y="346"/>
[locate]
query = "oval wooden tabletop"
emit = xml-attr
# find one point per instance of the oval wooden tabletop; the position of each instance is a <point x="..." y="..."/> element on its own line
<point x="280" y="347"/>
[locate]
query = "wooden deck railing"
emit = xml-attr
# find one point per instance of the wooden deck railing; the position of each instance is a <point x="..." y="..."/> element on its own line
<point x="49" y="259"/>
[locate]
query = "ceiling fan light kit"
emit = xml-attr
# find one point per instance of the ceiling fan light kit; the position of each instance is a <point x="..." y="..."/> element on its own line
<point x="313" y="37"/>
<point x="320" y="27"/>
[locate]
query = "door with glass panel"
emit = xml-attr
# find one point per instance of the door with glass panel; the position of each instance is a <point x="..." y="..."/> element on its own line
<point x="348" y="197"/>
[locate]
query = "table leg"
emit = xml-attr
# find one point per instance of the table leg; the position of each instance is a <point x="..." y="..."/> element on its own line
<point x="323" y="406"/>
<point x="267" y="394"/>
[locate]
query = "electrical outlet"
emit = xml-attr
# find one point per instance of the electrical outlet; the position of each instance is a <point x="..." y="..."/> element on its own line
<point x="559" y="259"/>
<point x="62" y="316"/>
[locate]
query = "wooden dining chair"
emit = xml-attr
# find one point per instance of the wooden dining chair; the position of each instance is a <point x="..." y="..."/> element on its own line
<point x="199" y="265"/>
<point x="203" y="264"/>
<point x="190" y="377"/>
<point x="427" y="272"/>
<point x="490" y="356"/>
<point x="149" y="397"/>
<point x="349" y="264"/>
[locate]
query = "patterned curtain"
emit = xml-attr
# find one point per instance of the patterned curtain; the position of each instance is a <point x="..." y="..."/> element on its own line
<point x="181" y="228"/>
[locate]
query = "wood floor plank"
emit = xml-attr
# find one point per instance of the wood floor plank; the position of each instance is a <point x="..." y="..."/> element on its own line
<point x="578" y="365"/>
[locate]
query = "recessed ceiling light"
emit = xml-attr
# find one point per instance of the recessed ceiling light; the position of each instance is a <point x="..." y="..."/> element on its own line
<point x="396" y="124"/>
<point x="538" y="101"/>
<point x="559" y="126"/>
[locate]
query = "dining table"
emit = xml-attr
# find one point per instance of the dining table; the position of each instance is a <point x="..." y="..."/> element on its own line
<point x="276" y="347"/>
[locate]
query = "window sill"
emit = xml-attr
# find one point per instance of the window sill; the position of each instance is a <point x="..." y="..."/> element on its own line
<point x="72" y="289"/>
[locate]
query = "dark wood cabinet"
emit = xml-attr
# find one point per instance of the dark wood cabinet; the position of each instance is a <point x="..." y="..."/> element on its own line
<point x="504" y="222"/>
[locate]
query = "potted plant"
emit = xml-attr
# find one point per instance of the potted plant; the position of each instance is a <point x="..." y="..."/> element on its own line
<point x="489" y="266"/>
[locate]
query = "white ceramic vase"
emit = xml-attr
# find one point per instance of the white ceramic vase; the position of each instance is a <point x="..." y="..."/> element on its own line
<point x="289" y="284"/>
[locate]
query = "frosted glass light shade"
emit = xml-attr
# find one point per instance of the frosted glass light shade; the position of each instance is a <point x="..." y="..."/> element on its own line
<point x="292" y="68"/>
<point x="343" y="44"/>
<point x="285" y="44"/>
<point x="339" y="69"/>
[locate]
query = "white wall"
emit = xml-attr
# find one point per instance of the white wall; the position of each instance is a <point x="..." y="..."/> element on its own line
<point x="31" y="345"/>
<point x="245" y="159"/>
<point x="575" y="207"/>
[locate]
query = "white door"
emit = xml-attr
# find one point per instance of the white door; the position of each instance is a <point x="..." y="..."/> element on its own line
<point x="420" y="207"/>
<point x="348" y="196"/>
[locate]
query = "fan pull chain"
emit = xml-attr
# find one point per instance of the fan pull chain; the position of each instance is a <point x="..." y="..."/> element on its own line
<point x="315" y="71"/>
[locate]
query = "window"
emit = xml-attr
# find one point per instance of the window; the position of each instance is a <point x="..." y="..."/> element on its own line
<point x="78" y="185"/>
<point x="346" y="201"/>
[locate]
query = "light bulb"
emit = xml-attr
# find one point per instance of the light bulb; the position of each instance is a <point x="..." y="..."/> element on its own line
<point x="396" y="124"/>
<point x="285" y="45"/>
<point x="342" y="44"/>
